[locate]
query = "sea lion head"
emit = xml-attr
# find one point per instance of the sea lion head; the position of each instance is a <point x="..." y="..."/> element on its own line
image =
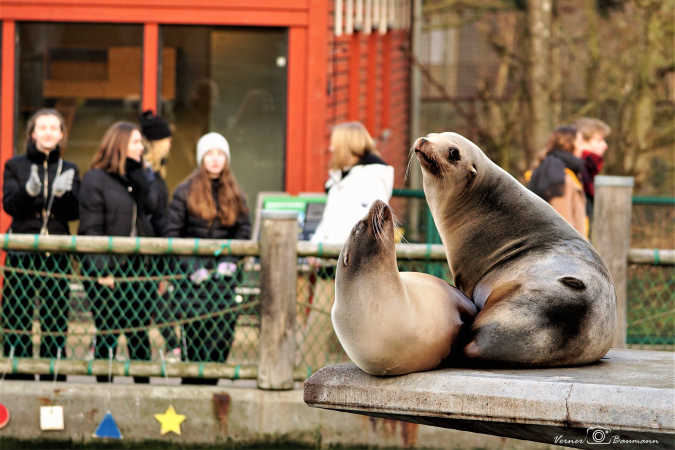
<point x="450" y="163"/>
<point x="370" y="244"/>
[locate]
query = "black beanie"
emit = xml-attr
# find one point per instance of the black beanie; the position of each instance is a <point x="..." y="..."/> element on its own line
<point x="154" y="127"/>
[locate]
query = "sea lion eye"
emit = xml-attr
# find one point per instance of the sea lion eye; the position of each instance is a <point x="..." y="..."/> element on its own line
<point x="453" y="154"/>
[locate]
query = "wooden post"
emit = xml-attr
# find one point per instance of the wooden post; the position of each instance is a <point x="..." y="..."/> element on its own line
<point x="610" y="236"/>
<point x="278" y="272"/>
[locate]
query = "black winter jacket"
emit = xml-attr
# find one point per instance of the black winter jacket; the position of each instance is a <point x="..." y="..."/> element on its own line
<point x="158" y="202"/>
<point x="183" y="224"/>
<point x="109" y="202"/>
<point x="26" y="211"/>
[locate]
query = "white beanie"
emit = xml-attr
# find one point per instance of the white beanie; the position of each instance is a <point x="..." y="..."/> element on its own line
<point x="210" y="141"/>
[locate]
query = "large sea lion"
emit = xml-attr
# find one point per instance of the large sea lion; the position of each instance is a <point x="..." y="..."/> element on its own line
<point x="545" y="295"/>
<point x="391" y="322"/>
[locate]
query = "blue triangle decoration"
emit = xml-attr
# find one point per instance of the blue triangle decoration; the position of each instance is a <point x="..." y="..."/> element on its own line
<point x="108" y="428"/>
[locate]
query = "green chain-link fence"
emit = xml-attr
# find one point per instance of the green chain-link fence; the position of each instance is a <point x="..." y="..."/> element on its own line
<point x="650" y="286"/>
<point x="130" y="307"/>
<point x="136" y="306"/>
<point x="650" y="300"/>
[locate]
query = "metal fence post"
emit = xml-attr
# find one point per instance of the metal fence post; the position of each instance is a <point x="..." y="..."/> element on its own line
<point x="278" y="273"/>
<point x="611" y="237"/>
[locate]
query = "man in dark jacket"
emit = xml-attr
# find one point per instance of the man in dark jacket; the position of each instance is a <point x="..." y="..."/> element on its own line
<point x="40" y="193"/>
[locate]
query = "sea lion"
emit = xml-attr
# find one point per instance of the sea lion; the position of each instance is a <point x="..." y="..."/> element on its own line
<point x="545" y="296"/>
<point x="391" y="322"/>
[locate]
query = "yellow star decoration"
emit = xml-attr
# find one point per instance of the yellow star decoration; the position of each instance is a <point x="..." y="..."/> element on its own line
<point x="170" y="420"/>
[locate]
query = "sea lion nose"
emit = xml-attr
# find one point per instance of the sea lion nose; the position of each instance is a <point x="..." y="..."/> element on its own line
<point x="420" y="143"/>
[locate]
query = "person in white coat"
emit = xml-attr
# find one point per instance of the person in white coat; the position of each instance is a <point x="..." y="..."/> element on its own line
<point x="358" y="176"/>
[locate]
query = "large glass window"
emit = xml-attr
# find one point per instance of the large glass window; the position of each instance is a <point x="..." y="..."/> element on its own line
<point x="232" y="81"/>
<point x="91" y="73"/>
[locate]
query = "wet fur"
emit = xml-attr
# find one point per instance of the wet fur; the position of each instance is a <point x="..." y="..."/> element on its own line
<point x="546" y="297"/>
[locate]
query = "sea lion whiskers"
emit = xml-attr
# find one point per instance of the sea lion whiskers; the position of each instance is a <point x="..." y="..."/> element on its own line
<point x="375" y="224"/>
<point x="411" y="158"/>
<point x="378" y="219"/>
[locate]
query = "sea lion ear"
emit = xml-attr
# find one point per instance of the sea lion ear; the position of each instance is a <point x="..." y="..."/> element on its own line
<point x="473" y="170"/>
<point x="345" y="258"/>
<point x="573" y="283"/>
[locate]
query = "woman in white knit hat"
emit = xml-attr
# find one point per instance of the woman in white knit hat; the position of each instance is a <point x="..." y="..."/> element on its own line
<point x="209" y="204"/>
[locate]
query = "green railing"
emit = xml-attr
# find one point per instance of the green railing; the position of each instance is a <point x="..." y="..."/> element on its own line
<point x="203" y="298"/>
<point x="192" y="308"/>
<point x="160" y="307"/>
<point x="116" y="300"/>
<point x="431" y="236"/>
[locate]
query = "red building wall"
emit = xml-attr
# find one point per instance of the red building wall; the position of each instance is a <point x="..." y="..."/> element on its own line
<point x="368" y="79"/>
<point x="331" y="79"/>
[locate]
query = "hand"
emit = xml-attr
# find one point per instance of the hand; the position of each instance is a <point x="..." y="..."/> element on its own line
<point x="63" y="183"/>
<point x="314" y="262"/>
<point x="33" y="185"/>
<point x="162" y="288"/>
<point x="200" y="275"/>
<point x="107" y="281"/>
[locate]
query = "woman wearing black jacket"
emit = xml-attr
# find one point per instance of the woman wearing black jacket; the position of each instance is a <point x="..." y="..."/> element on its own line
<point x="114" y="201"/>
<point x="210" y="205"/>
<point x="40" y="194"/>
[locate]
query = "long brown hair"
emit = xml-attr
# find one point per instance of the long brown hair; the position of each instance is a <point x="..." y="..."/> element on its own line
<point x="112" y="153"/>
<point x="230" y="198"/>
<point x="30" y="126"/>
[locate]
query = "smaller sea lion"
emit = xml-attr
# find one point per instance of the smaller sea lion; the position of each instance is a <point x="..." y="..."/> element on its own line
<point x="391" y="322"/>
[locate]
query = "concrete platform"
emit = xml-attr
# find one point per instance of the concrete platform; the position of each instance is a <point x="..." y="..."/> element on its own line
<point x="630" y="394"/>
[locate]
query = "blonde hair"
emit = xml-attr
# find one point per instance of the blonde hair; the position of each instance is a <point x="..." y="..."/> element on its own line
<point x="153" y="157"/>
<point x="588" y="126"/>
<point x="350" y="139"/>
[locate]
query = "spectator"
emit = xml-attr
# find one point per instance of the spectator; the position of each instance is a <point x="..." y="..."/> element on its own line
<point x="157" y="133"/>
<point x="556" y="178"/>
<point x="114" y="202"/>
<point x="357" y="177"/>
<point x="209" y="204"/>
<point x="590" y="143"/>
<point x="40" y="193"/>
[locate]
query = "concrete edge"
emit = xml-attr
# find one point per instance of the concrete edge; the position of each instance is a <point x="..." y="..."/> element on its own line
<point x="345" y="387"/>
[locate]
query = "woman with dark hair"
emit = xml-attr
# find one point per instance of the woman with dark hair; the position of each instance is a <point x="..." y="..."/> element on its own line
<point x="557" y="177"/>
<point x="209" y="204"/>
<point x="115" y="202"/>
<point x="40" y="193"/>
